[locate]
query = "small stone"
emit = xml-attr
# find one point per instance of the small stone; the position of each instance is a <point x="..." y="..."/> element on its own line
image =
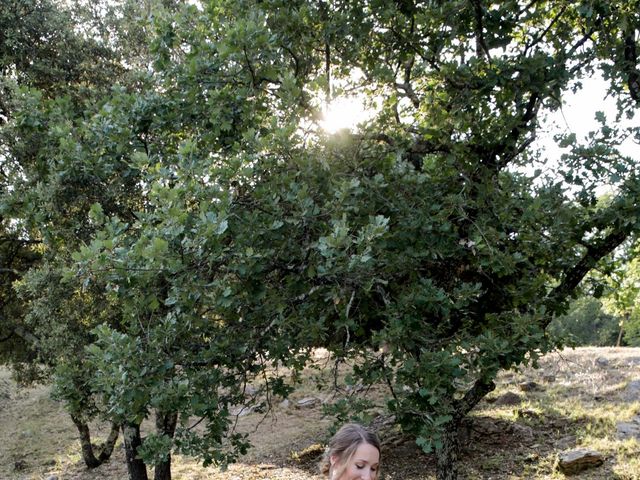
<point x="308" y="402"/>
<point x="523" y="432"/>
<point x="575" y="461"/>
<point x="631" y="429"/>
<point x="566" y="442"/>
<point x="359" y="388"/>
<point x="602" y="362"/>
<point x="632" y="392"/>
<point x="508" y="398"/>
<point x="528" y="386"/>
<point x="487" y="426"/>
<point x="242" y="410"/>
<point x="52" y="477"/>
<point x="285" y="404"/>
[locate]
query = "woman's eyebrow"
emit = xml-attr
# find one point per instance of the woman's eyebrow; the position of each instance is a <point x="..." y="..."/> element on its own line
<point x="364" y="461"/>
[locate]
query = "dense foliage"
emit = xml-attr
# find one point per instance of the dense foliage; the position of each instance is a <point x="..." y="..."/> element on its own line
<point x="200" y="231"/>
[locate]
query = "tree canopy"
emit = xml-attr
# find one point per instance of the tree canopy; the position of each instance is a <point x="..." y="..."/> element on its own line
<point x="199" y="229"/>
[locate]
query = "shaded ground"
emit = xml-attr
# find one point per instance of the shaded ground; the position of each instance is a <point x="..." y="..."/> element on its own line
<point x="579" y="397"/>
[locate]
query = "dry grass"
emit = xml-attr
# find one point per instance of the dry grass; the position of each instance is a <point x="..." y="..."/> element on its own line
<point x="579" y="408"/>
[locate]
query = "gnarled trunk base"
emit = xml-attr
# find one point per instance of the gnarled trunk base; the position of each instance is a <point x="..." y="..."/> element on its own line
<point x="132" y="441"/>
<point x="88" y="454"/>
<point x="165" y="425"/>
<point x="447" y="456"/>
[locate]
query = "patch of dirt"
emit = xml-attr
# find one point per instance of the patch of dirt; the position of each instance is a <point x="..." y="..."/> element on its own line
<point x="580" y="394"/>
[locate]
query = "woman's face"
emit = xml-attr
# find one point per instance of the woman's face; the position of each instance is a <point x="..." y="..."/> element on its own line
<point x="363" y="465"/>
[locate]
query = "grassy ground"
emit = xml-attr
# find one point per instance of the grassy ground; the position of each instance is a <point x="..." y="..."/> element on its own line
<point x="577" y="405"/>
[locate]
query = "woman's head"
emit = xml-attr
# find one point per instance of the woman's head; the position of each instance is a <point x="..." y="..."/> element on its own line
<point x="353" y="454"/>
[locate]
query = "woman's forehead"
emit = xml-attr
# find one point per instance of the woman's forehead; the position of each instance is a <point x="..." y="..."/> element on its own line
<point x="367" y="452"/>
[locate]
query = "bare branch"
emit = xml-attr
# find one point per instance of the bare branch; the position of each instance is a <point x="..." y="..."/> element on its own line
<point x="481" y="45"/>
<point x="574" y="275"/>
<point x="540" y="37"/>
<point x="579" y="43"/>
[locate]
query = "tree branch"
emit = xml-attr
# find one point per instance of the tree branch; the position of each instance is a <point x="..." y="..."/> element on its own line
<point x="10" y="270"/>
<point x="406" y="87"/>
<point x="480" y="389"/>
<point x="22" y="333"/>
<point x="255" y="80"/>
<point x="481" y="45"/>
<point x="327" y="66"/>
<point x="579" y="43"/>
<point x="530" y="112"/>
<point x="540" y="37"/>
<point x="296" y="61"/>
<point x="629" y="65"/>
<point x="508" y="148"/>
<point x="19" y="240"/>
<point x="8" y="337"/>
<point x="575" y="274"/>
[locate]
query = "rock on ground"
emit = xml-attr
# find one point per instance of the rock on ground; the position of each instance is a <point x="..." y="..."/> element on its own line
<point x="566" y="442"/>
<point x="308" y="402"/>
<point x="575" y="461"/>
<point x="528" y="386"/>
<point x="509" y="398"/>
<point x="632" y="392"/>
<point x="630" y="429"/>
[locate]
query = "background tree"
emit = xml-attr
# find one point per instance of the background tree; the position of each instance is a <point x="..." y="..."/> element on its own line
<point x="55" y="76"/>
<point x="621" y="299"/>
<point x="632" y="324"/>
<point x="39" y="50"/>
<point x="418" y="246"/>
<point x="587" y="323"/>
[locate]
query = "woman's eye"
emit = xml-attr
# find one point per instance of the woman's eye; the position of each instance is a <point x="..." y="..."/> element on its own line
<point x="359" y="466"/>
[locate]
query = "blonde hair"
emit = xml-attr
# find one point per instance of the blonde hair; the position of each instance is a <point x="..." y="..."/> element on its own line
<point x="343" y="446"/>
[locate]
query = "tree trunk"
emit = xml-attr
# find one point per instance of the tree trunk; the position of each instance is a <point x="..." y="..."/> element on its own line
<point x="165" y="425"/>
<point x="621" y="331"/>
<point x="88" y="454"/>
<point x="447" y="456"/>
<point x="107" y="447"/>
<point x="132" y="440"/>
<point x="85" y="443"/>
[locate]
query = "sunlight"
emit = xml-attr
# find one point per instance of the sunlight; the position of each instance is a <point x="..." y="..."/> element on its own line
<point x="344" y="113"/>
